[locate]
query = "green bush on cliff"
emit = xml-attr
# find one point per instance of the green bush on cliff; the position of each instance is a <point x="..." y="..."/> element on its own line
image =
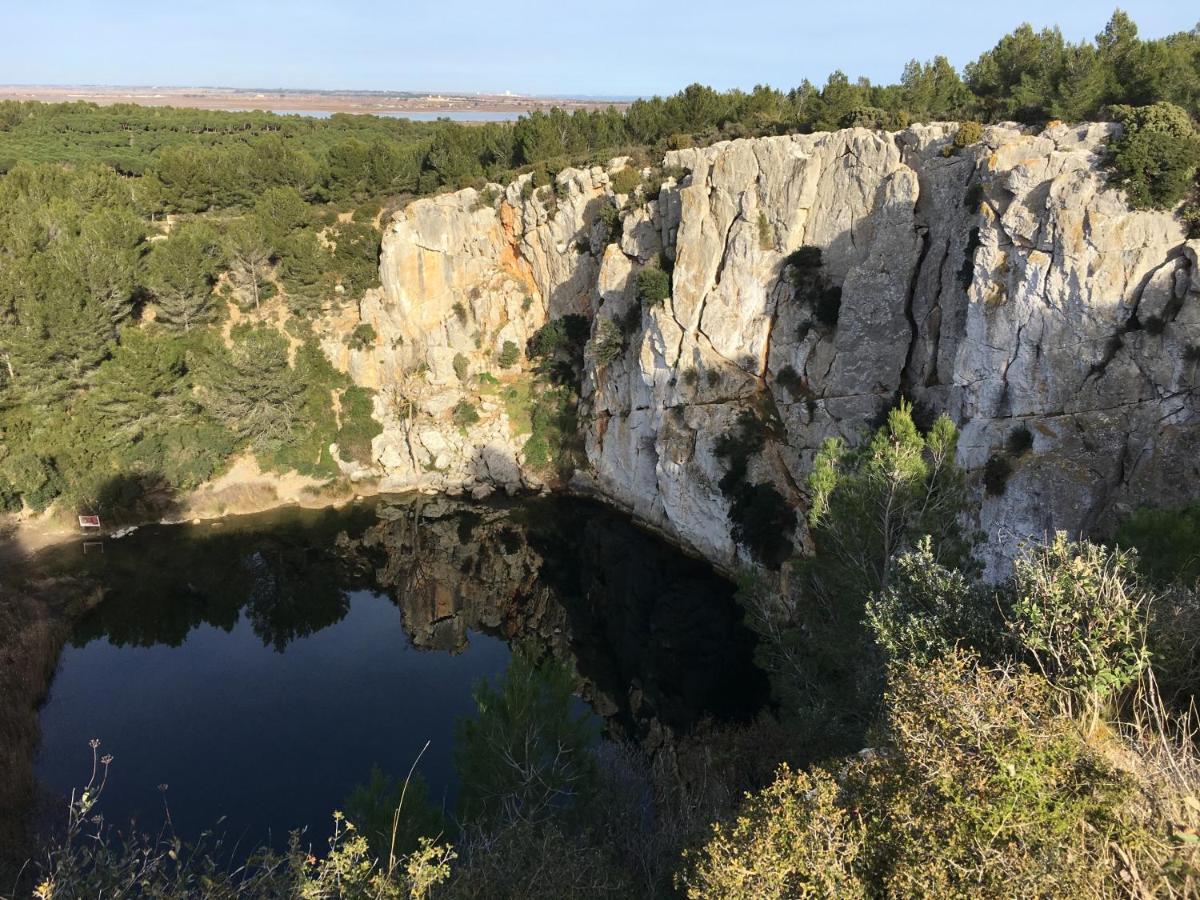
<point x="359" y="427"/>
<point x="464" y="414"/>
<point x="968" y="133"/>
<point x="626" y="181"/>
<point x="653" y="286"/>
<point x="608" y="343"/>
<point x="553" y="446"/>
<point x="510" y="353"/>
<point x="1155" y="158"/>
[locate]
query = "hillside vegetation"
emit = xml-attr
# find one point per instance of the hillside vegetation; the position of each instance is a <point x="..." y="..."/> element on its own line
<point x="160" y="269"/>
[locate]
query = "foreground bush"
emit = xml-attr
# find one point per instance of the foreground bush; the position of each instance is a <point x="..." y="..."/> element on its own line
<point x="791" y="839"/>
<point x="869" y="504"/>
<point x="91" y="860"/>
<point x="982" y="788"/>
<point x="1080" y="615"/>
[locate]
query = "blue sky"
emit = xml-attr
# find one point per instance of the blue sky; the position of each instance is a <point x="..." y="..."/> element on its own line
<point x="526" y="46"/>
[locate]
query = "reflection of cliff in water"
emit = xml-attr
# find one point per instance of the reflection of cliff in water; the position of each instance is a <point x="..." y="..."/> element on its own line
<point x="656" y="637"/>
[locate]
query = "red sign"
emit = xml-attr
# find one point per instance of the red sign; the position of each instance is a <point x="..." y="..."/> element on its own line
<point x="89" y="521"/>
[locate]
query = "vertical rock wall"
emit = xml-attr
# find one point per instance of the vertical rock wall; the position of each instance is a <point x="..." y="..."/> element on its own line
<point x="1003" y="283"/>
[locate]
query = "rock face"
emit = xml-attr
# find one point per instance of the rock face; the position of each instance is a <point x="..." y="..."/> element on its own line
<point x="1004" y="284"/>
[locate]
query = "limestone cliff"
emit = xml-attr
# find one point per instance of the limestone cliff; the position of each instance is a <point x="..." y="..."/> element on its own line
<point x="1003" y="283"/>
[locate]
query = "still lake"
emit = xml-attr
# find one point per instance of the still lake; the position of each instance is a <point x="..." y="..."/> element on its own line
<point x="259" y="667"/>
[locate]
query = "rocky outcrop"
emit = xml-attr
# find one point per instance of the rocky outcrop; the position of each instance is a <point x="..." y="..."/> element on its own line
<point x="1003" y="283"/>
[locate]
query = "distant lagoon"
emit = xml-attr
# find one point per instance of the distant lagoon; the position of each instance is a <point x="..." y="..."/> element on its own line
<point x="457" y="115"/>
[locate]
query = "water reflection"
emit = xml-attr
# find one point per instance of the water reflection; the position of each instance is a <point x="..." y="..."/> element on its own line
<point x="655" y="637"/>
<point x="300" y="641"/>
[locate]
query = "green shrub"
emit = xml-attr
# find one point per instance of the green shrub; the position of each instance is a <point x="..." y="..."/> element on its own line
<point x="1189" y="213"/>
<point x="359" y="427"/>
<point x="928" y="610"/>
<point x="307" y="424"/>
<point x="867" y="505"/>
<point x="362" y="337"/>
<point x="968" y="133"/>
<point x="526" y="753"/>
<point x="985" y="790"/>
<point x="792" y="839"/>
<point x="608" y="343"/>
<point x="554" y="443"/>
<point x="373" y="806"/>
<point x="1173" y="639"/>
<point x="565" y="335"/>
<point x="487" y="198"/>
<point x="627" y="180"/>
<point x="1079" y="613"/>
<point x="1167" y="542"/>
<point x="10" y="498"/>
<point x="610" y="217"/>
<point x="1155" y="158"/>
<point x="996" y="472"/>
<point x="509" y="355"/>
<point x="653" y="286"/>
<point x="464" y="414"/>
<point x="874" y="118"/>
<point x="980" y="789"/>
<point x="462" y="366"/>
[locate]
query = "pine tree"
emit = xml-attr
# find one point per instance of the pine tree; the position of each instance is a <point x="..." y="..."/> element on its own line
<point x="249" y="255"/>
<point x="183" y="270"/>
<point x="105" y="256"/>
<point x="251" y="389"/>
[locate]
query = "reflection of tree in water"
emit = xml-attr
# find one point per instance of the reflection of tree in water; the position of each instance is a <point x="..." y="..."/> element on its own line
<point x="294" y="592"/>
<point x="283" y="570"/>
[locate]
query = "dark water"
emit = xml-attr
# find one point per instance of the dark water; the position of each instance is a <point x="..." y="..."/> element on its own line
<point x="260" y="667"/>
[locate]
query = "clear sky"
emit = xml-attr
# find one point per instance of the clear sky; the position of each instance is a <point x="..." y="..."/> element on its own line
<point x="525" y="46"/>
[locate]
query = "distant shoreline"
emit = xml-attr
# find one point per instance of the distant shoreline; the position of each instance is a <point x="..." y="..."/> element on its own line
<point x="480" y="106"/>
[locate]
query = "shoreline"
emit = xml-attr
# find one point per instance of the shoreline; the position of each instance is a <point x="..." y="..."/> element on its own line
<point x="233" y="495"/>
<point x="243" y="489"/>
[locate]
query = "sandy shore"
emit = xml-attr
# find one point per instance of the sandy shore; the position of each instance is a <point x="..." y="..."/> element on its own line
<point x="242" y="489"/>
